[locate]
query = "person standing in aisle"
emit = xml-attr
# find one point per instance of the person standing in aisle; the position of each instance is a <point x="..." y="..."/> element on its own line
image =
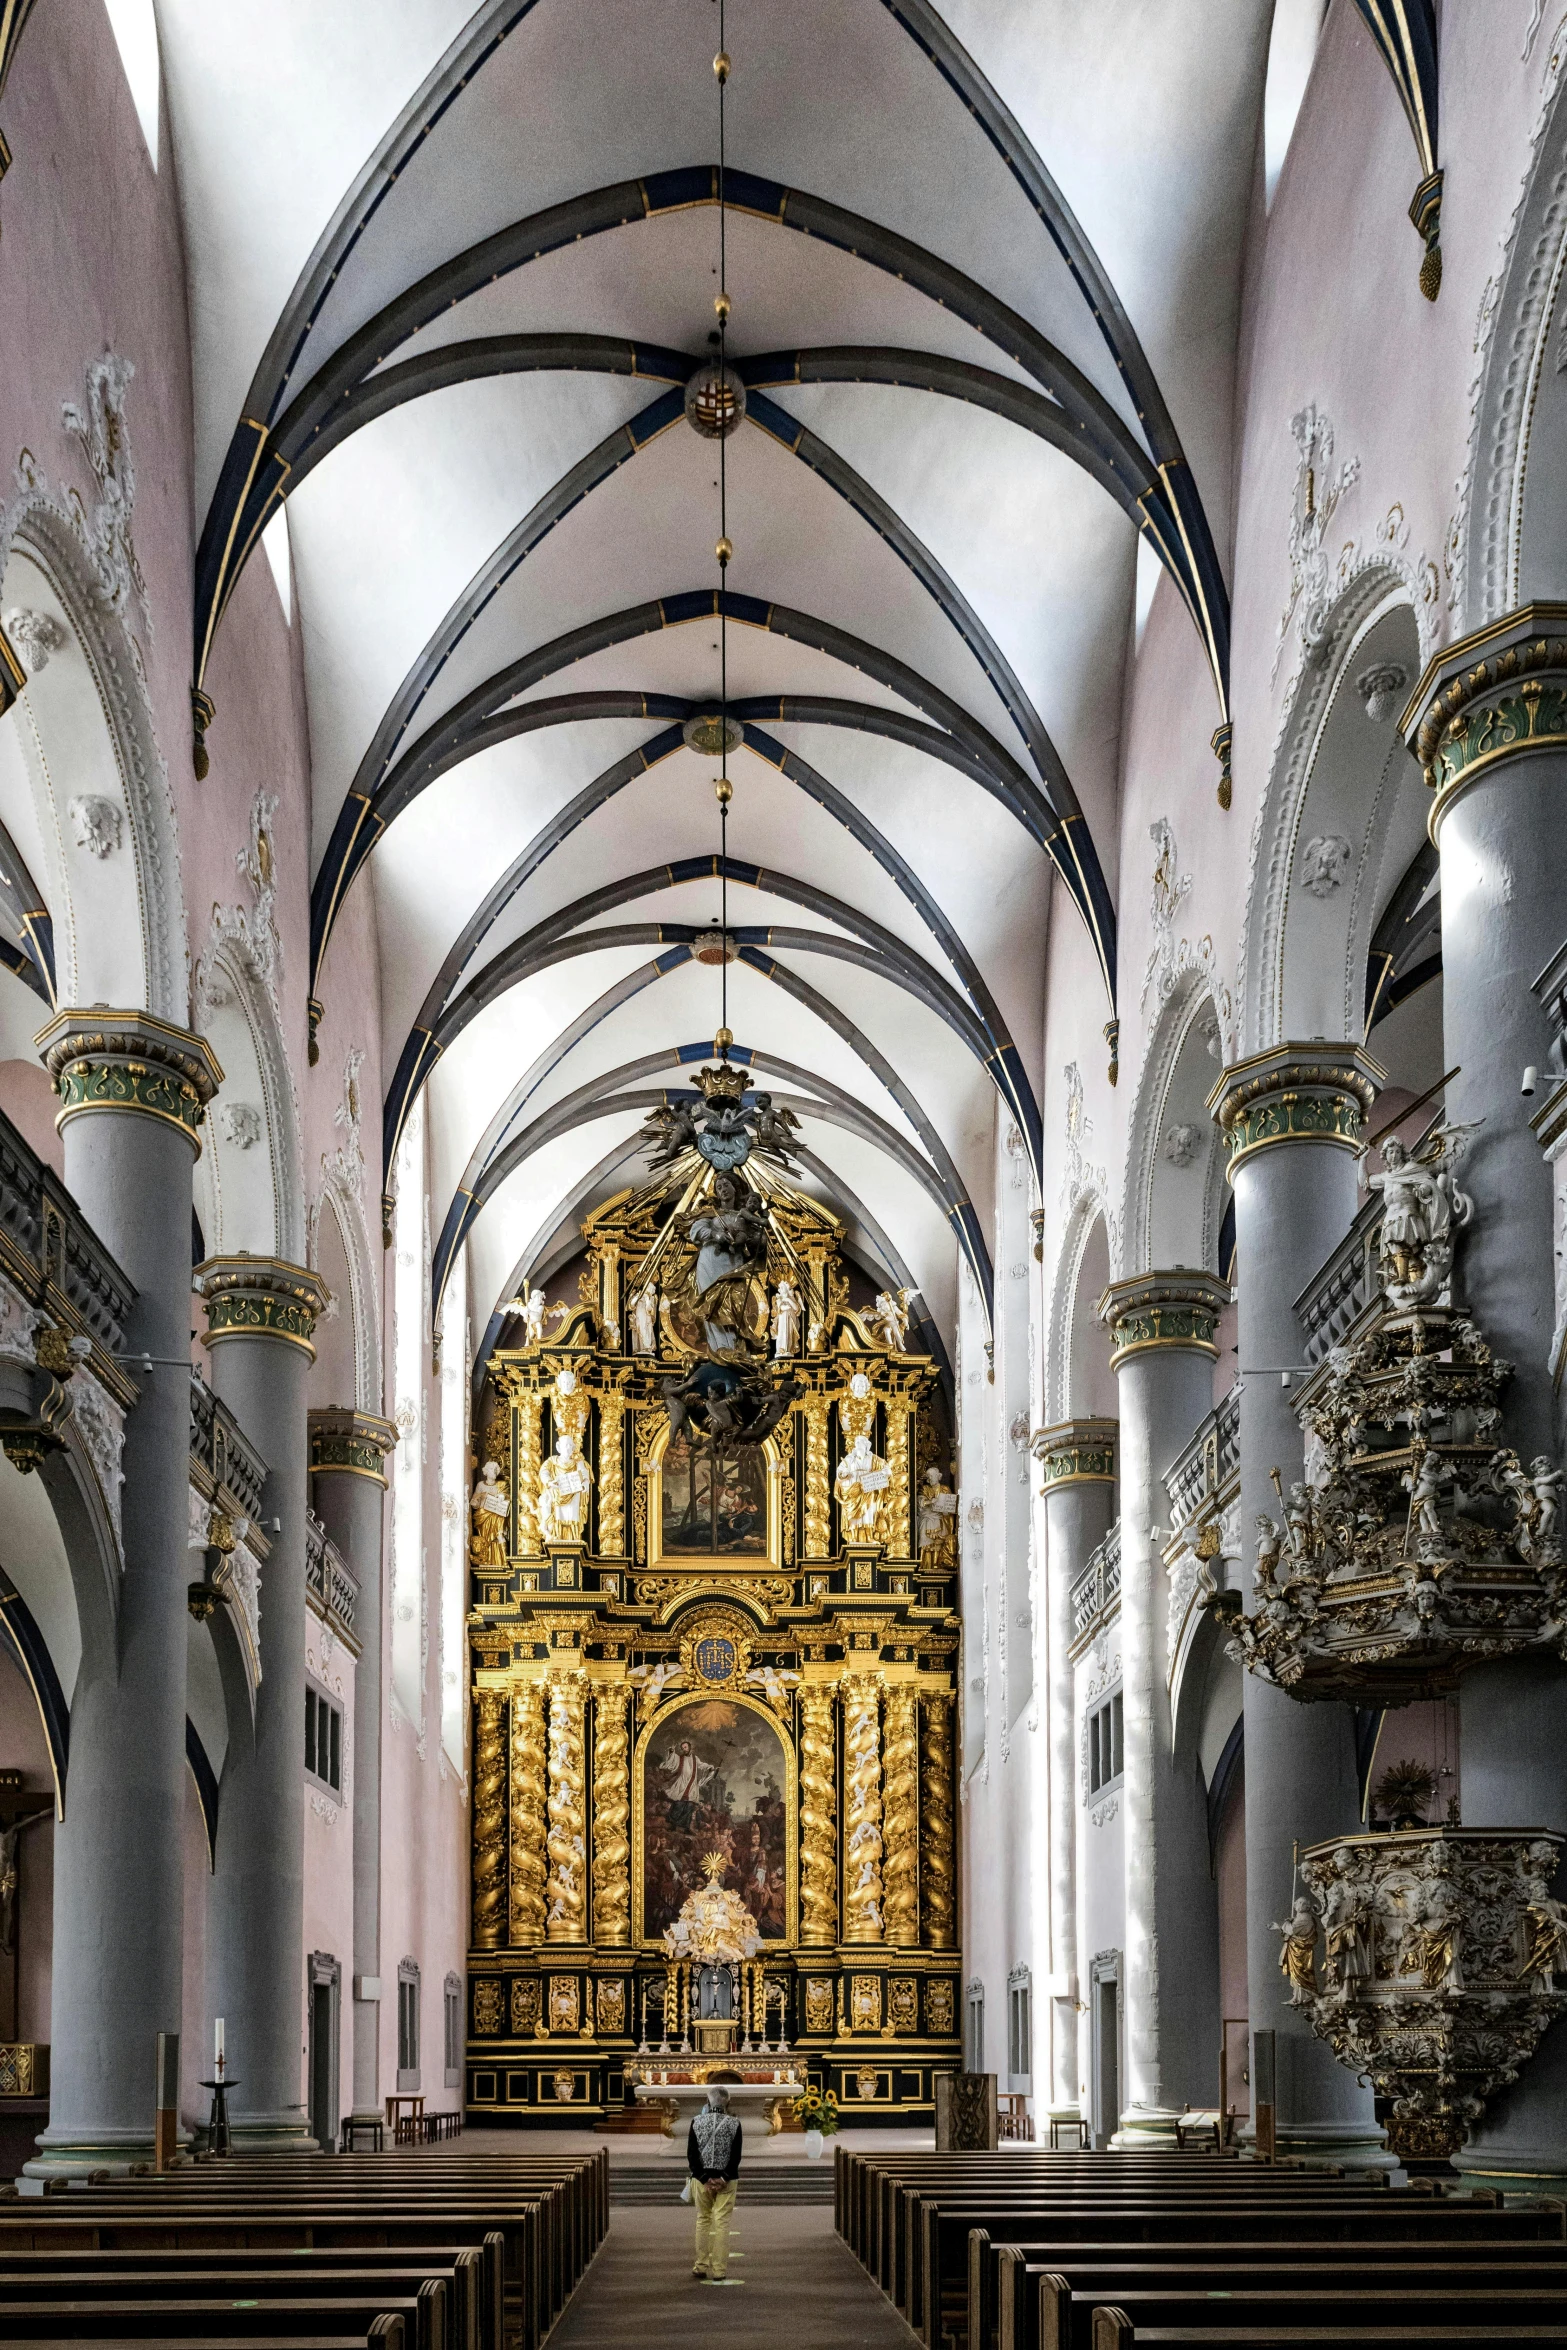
<point x="713" y="2159"/>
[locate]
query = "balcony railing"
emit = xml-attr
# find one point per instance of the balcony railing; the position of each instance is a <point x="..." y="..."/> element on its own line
<point x="1096" y="1595"/>
<point x="329" y="1587"/>
<point x="1210" y="1463"/>
<point x="50" y="1252"/>
<point x="1334" y="1300"/>
<point x="226" y="1468"/>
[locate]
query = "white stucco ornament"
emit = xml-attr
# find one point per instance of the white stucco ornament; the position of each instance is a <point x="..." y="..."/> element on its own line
<point x="97" y="824"/>
<point x="1180" y="1145"/>
<point x="240" y="1124"/>
<point x="1324" y="862"/>
<point x="35" y="635"/>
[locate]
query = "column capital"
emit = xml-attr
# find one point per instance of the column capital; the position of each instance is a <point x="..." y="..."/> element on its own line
<point x="1311" y="1092"/>
<point x="260" y="1297"/>
<point x="355" y="1443"/>
<point x="1076" y="1452"/>
<point x="1175" y="1309"/>
<point x="1496" y="695"/>
<point x="101" y="1059"/>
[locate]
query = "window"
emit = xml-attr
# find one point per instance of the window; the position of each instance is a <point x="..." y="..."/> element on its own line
<point x="1020" y="2026"/>
<point x="323" y="1739"/>
<point x="1104" y="1745"/>
<point x="453" y="2005"/>
<point x="974" y="2029"/>
<point x="407" y="2025"/>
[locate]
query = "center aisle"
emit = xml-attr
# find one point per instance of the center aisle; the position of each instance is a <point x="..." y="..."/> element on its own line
<point x="802" y="2288"/>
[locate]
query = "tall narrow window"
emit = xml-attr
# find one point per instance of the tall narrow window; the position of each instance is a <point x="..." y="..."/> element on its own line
<point x="1105" y="1763"/>
<point x="408" y="2024"/>
<point x="974" y="2028"/>
<point x="323" y="1739"/>
<point x="453" y="2007"/>
<point x="1020" y="2026"/>
<point x="410" y="1292"/>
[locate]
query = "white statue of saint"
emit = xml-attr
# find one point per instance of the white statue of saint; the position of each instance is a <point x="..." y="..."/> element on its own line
<point x="862" y="1482"/>
<point x="1422" y="1213"/>
<point x="489" y="1511"/>
<point x="888" y="1319"/>
<point x="533" y="1317"/>
<point x="786" y="1318"/>
<point x="644" y="1320"/>
<point x="563" y="1491"/>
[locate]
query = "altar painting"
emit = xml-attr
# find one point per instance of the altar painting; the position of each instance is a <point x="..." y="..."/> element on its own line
<point x="715" y="1779"/>
<point x="713" y="1503"/>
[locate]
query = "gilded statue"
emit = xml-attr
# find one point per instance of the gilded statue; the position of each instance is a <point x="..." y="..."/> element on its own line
<point x="564" y="1481"/>
<point x="727" y="1238"/>
<point x="938" y="1516"/>
<point x="490" y="1513"/>
<point x="1298" y="1951"/>
<point x="862" y="1482"/>
<point x="888" y="1319"/>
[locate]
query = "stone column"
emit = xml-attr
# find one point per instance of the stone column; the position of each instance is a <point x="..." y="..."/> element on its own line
<point x="565" y="1892"/>
<point x="862" y="1808"/>
<point x="1078" y="1462"/>
<point x="529" y="1796"/>
<point x="261" y="1314"/>
<point x="348" y="1450"/>
<point x="1292" y="1118"/>
<point x="133" y="1092"/>
<point x="1488" y="723"/>
<point x="1161" y="1328"/>
<point x="611" y="1815"/>
<point x="900" y="1869"/>
<point x="938" y="1831"/>
<point x="818" y="1816"/>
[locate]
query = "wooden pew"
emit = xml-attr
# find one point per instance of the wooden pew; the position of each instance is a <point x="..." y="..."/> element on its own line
<point x="423" y="2319"/>
<point x="464" y="2321"/>
<point x="1114" y="2330"/>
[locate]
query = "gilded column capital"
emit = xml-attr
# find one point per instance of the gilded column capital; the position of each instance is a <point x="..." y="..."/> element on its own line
<point x="1179" y="1308"/>
<point x="260" y="1297"/>
<point x="350" y="1442"/>
<point x="1076" y="1452"/>
<point x="100" y="1059"/>
<point x="1495" y="696"/>
<point x="1313" y="1092"/>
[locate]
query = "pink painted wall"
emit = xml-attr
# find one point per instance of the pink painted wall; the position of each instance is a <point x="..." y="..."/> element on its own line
<point x="23" y="1747"/>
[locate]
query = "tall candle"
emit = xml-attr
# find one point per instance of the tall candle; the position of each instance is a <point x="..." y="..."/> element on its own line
<point x="217" y="2046"/>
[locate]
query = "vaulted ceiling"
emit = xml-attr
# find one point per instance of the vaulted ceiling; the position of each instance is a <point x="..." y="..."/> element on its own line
<point x="449" y="275"/>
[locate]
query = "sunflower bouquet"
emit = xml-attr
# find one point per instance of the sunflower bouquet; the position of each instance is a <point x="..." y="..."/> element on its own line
<point x="817" y="2109"/>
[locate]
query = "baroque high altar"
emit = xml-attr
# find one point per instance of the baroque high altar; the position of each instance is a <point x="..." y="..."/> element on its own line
<point x="713" y="1639"/>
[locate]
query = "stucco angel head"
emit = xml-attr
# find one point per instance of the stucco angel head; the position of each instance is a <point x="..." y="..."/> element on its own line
<point x="859" y="1387"/>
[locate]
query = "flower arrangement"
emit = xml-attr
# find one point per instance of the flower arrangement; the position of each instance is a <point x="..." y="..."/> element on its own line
<point x="817" y="2109"/>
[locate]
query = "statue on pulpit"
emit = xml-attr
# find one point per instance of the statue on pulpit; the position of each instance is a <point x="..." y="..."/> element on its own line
<point x="490" y="1512"/>
<point x="564" y="1482"/>
<point x="862" y="1482"/>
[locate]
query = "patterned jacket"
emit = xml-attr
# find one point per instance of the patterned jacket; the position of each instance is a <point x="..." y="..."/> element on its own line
<point x="713" y="2147"/>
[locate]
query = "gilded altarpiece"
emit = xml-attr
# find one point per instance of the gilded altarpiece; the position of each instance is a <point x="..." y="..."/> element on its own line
<point x="708" y="1664"/>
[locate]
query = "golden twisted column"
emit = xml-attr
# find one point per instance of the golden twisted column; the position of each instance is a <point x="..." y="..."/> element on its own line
<point x="530" y="1409"/>
<point x="818" y="1818"/>
<point x="611" y="1816"/>
<point x="862" y="1809"/>
<point x="528" y="1790"/>
<point x="900" y="1417"/>
<point x="489" y="1820"/>
<point x="612" y="1474"/>
<point x="818" y="1489"/>
<point x="938" y="1879"/>
<point x="900" y="1868"/>
<point x="566" y="1842"/>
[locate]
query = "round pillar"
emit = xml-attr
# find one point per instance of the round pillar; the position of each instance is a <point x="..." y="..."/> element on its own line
<point x="1077" y="1458"/>
<point x="348" y="1452"/>
<point x="133" y="1092"/>
<point x="1292" y="1119"/>
<point x="1488" y="723"/>
<point x="261" y="1315"/>
<point x="1162" y="1352"/>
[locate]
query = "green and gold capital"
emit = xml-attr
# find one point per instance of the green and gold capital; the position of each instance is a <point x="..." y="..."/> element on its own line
<point x="1076" y="1452"/>
<point x="1311" y="1092"/>
<point x="260" y="1297"/>
<point x="354" y="1444"/>
<point x="1492" y="698"/>
<point x="1179" y="1308"/>
<point x="110" y="1060"/>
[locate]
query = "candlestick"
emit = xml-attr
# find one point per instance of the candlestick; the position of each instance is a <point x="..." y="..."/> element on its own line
<point x="217" y="2047"/>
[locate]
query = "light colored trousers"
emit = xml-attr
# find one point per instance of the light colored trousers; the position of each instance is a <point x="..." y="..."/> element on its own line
<point x="713" y="2207"/>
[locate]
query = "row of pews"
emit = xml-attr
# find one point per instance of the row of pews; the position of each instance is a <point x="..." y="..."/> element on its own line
<point x="1037" y="2251"/>
<point x="434" y="2249"/>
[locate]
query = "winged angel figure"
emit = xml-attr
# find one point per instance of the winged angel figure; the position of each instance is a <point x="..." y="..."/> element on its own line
<point x="1423" y="1211"/>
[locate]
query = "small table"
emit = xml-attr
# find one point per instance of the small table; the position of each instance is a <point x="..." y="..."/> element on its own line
<point x="365" y="2126"/>
<point x="1072" y="2122"/>
<point x="1013" y="2117"/>
<point x="394" y="2119"/>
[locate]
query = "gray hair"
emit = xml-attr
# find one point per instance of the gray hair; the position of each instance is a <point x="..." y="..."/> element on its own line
<point x="717" y="2096"/>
